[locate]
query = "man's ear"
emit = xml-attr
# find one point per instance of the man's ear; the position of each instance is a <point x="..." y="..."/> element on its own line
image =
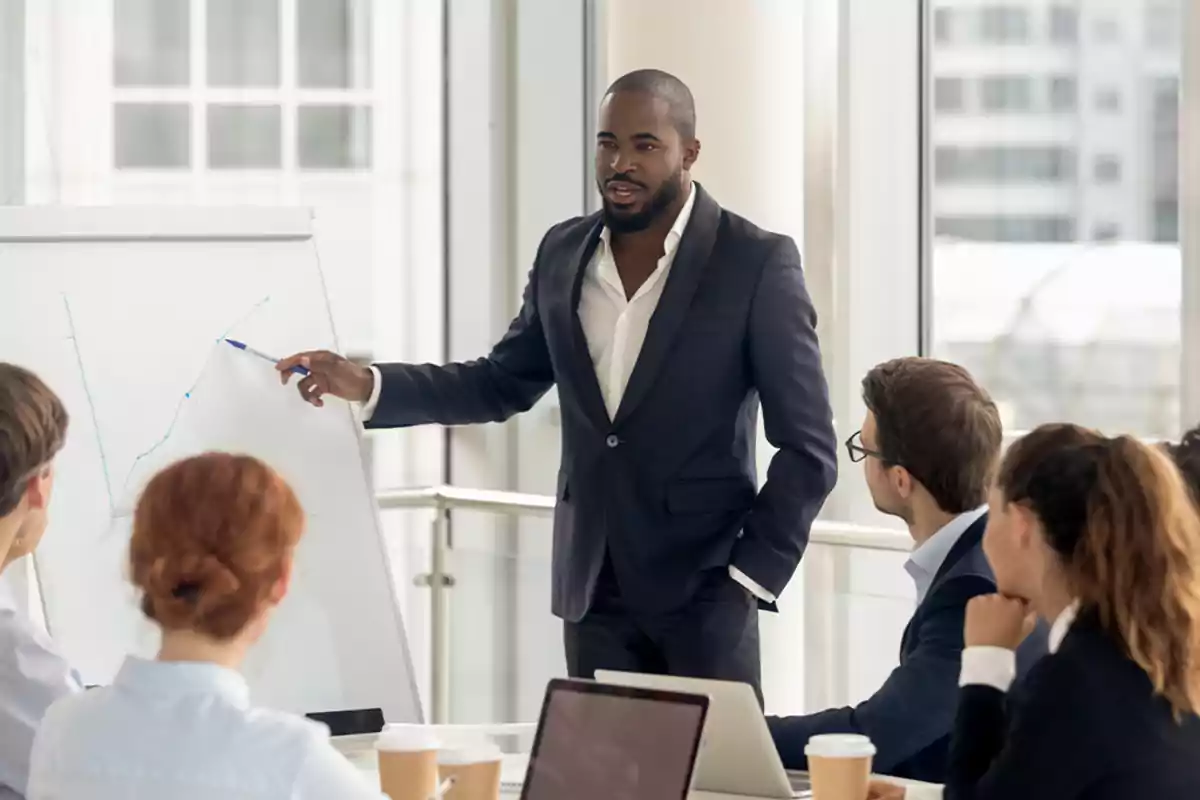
<point x="691" y="152"/>
<point x="902" y="481"/>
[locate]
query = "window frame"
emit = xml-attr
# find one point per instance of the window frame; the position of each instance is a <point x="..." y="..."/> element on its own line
<point x="288" y="95"/>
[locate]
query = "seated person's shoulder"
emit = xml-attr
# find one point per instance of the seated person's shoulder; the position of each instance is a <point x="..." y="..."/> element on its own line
<point x="30" y="663"/>
<point x="315" y="767"/>
<point x="285" y="738"/>
<point x="74" y="723"/>
<point x="958" y="588"/>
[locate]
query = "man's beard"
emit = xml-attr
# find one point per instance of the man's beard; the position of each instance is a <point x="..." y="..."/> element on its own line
<point x="619" y="221"/>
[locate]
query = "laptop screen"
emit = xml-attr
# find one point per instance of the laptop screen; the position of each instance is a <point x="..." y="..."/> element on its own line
<point x="601" y="742"/>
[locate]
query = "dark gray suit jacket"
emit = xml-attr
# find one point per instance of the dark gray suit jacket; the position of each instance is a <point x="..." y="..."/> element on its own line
<point x="668" y="486"/>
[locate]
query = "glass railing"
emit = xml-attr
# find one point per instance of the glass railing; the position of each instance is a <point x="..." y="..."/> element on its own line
<point x="473" y="569"/>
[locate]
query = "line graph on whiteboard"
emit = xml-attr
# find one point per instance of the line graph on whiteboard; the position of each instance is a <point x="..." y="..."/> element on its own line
<point x="119" y="501"/>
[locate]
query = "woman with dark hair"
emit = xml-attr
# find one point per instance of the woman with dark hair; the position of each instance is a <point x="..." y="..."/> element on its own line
<point x="1098" y="536"/>
<point x="213" y="542"/>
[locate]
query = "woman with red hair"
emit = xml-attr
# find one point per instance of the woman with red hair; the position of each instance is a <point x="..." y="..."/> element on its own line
<point x="211" y="552"/>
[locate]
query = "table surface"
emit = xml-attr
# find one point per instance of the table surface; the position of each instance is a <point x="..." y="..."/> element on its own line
<point x="513" y="772"/>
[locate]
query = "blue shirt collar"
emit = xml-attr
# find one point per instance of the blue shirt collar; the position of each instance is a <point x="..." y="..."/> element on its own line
<point x="927" y="558"/>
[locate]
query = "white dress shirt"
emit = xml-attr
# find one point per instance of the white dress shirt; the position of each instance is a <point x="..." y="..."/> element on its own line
<point x="997" y="666"/>
<point x="184" y="731"/>
<point x="32" y="676"/>
<point x="927" y="557"/>
<point x="615" y="328"/>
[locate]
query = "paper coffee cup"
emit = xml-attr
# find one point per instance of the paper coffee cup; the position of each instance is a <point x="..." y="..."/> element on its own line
<point x="408" y="768"/>
<point x="475" y="769"/>
<point x="839" y="765"/>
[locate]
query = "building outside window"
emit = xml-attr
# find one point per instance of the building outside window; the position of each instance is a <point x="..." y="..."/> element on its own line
<point x="996" y="164"/>
<point x="1163" y="18"/>
<point x="1064" y="24"/>
<point x="1003" y="24"/>
<point x="1108" y="99"/>
<point x="1106" y="169"/>
<point x="1106" y="30"/>
<point x="1062" y="94"/>
<point x="1006" y="93"/>
<point x="1069" y="336"/>
<point x="1013" y="228"/>
<point x="948" y="94"/>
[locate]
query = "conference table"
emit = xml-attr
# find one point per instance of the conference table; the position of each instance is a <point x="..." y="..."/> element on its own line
<point x="362" y="755"/>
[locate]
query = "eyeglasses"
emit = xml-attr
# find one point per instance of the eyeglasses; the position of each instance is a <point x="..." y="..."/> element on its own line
<point x="856" y="450"/>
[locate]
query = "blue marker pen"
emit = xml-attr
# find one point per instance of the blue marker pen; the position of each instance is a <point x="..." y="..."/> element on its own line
<point x="243" y="346"/>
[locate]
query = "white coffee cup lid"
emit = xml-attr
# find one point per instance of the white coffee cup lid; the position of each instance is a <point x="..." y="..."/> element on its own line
<point x="407" y="739"/>
<point x="469" y="754"/>
<point x="839" y="745"/>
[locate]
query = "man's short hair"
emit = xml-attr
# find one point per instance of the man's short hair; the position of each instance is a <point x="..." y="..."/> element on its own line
<point x="933" y="419"/>
<point x="33" y="427"/>
<point x="1187" y="457"/>
<point x="666" y="87"/>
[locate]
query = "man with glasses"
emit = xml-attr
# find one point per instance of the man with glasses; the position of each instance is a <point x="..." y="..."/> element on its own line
<point x="928" y="445"/>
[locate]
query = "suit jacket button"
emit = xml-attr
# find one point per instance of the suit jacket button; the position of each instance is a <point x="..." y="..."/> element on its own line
<point x="612" y="440"/>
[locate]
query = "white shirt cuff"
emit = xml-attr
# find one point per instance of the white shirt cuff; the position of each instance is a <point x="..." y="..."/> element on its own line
<point x="751" y="586"/>
<point x="368" y="408"/>
<point x="988" y="666"/>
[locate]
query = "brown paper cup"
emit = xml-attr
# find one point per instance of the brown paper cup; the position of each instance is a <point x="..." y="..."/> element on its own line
<point x="839" y="766"/>
<point x="408" y="768"/>
<point x="476" y="772"/>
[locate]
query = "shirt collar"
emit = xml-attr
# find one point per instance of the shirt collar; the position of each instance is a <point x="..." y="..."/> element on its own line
<point x="183" y="677"/>
<point x="1061" y="626"/>
<point x="675" y="234"/>
<point x="927" y="558"/>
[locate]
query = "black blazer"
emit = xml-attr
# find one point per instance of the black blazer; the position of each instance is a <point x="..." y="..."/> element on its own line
<point x="910" y="718"/>
<point x="668" y="487"/>
<point x="1085" y="725"/>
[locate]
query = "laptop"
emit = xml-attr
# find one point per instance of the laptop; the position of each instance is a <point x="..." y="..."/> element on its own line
<point x="737" y="754"/>
<point x="599" y="741"/>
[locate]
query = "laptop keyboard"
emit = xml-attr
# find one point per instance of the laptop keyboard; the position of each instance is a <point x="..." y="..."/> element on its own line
<point x="801" y="785"/>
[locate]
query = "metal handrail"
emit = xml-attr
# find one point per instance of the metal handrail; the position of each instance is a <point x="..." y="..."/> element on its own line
<point x="444" y="499"/>
<point x="453" y="498"/>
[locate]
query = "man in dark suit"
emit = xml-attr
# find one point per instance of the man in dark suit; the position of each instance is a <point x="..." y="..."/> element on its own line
<point x="664" y="321"/>
<point x="928" y="446"/>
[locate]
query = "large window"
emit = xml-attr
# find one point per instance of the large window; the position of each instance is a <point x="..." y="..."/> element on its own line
<point x="1054" y="252"/>
<point x="264" y="98"/>
<point x="226" y="102"/>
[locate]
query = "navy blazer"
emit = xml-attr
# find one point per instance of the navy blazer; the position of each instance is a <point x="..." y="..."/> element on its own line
<point x="911" y="717"/>
<point x="1085" y="725"/>
<point x="668" y="487"/>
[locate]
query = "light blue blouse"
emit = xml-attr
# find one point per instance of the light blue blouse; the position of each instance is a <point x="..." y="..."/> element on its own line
<point x="184" y="731"/>
<point x="32" y="676"/>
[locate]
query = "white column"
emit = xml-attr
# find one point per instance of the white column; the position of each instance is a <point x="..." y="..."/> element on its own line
<point x="1189" y="222"/>
<point x="744" y="62"/>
